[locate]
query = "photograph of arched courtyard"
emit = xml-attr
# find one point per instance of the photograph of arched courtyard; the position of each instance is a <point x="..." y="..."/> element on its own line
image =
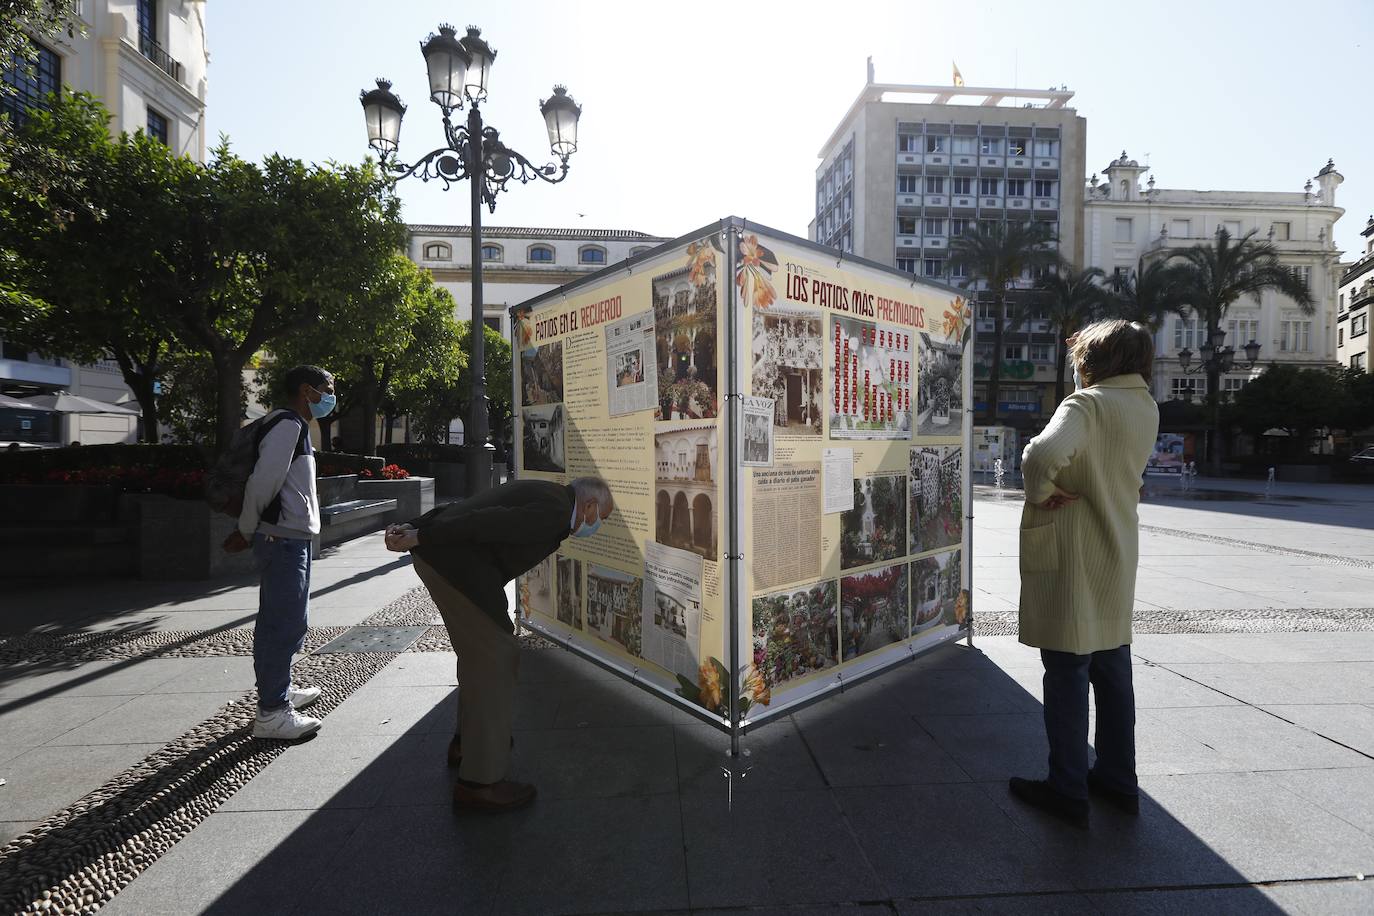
<point x="686" y="474"/>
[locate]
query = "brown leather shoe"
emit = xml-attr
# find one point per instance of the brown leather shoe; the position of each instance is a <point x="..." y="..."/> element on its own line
<point x="493" y="799"/>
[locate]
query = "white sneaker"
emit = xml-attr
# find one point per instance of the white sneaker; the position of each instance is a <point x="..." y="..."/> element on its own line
<point x="301" y="697"/>
<point x="284" y="724"/>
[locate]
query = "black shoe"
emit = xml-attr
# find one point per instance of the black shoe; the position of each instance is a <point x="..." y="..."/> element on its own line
<point x="1129" y="802"/>
<point x="1038" y="794"/>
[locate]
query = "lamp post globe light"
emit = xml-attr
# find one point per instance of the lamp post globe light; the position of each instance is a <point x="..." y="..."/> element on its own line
<point x="1215" y="359"/>
<point x="459" y="70"/>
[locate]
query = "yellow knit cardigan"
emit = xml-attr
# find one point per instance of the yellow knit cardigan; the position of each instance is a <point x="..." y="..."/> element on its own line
<point x="1078" y="563"/>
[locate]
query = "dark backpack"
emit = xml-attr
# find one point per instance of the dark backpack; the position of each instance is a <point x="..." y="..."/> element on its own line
<point x="225" y="482"/>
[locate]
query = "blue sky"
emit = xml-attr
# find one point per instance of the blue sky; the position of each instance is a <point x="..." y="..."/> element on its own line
<point x="700" y="110"/>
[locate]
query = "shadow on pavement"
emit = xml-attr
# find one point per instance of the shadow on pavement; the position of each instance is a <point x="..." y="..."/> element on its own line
<point x="891" y="795"/>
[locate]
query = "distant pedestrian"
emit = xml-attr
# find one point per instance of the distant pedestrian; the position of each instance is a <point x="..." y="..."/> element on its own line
<point x="465" y="553"/>
<point x="280" y="517"/>
<point x="1079" y="553"/>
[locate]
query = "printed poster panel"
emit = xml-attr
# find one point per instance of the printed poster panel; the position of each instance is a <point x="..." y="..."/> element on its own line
<point x="889" y="439"/>
<point x="756" y="441"/>
<point x="1167" y="457"/>
<point x="619" y="378"/>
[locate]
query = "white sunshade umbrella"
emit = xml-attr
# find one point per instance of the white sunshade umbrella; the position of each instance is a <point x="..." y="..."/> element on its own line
<point x="71" y="403"/>
<point x="21" y="404"/>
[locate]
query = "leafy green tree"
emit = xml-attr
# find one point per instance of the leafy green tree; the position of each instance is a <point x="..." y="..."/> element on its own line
<point x="1216" y="275"/>
<point x="1150" y="294"/>
<point x="998" y="253"/>
<point x="1296" y="401"/>
<point x="87" y="242"/>
<point x="1072" y="299"/>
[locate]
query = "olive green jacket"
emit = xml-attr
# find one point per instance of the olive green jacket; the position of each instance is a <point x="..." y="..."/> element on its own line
<point x="1078" y="563"/>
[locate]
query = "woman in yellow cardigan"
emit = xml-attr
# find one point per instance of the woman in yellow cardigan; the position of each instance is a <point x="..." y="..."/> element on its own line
<point x="1079" y="552"/>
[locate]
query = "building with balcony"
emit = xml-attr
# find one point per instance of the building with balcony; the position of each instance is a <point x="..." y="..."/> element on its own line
<point x="147" y="61"/>
<point x="1125" y="223"/>
<point x="517" y="264"/>
<point x="1354" y="302"/>
<point x="910" y="168"/>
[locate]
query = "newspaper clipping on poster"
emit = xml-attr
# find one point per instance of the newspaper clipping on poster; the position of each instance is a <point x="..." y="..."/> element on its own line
<point x="839" y="475"/>
<point x="631" y="368"/>
<point x="787" y="524"/>
<point x="758" y="433"/>
<point x="672" y="609"/>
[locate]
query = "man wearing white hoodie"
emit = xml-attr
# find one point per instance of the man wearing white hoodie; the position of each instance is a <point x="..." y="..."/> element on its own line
<point x="281" y="515"/>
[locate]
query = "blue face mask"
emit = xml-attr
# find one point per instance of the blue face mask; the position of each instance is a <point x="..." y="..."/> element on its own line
<point x="585" y="531"/>
<point x="323" y="407"/>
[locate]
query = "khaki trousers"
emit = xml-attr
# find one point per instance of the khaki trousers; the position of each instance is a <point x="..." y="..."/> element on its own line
<point x="488" y="663"/>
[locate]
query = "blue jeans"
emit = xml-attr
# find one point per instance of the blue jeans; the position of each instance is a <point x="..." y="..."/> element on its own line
<point x="1067" y="677"/>
<point x="283" y="607"/>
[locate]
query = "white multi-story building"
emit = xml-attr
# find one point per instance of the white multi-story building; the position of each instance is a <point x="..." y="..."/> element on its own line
<point x="911" y="168"/>
<point x="147" y="62"/>
<point x="1125" y="223"/>
<point x="517" y="264"/>
<point x="1354" y="302"/>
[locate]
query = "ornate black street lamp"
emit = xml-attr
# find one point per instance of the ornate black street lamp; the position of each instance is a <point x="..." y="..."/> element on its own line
<point x="1215" y="359"/>
<point x="458" y="72"/>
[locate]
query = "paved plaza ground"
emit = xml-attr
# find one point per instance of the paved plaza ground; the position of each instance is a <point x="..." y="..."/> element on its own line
<point x="130" y="778"/>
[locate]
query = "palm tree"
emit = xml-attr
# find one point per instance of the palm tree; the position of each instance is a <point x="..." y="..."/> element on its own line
<point x="1073" y="299"/>
<point x="1214" y="277"/>
<point x="1150" y="294"/>
<point x="998" y="254"/>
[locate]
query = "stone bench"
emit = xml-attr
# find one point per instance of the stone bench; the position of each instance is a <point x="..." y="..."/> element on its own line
<point x="354" y="510"/>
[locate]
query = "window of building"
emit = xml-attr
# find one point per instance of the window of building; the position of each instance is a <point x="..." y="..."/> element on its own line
<point x="1359" y="324"/>
<point x="962" y="185"/>
<point x="1044" y="187"/>
<point x="1295" y="336"/>
<point x="32" y="88"/>
<point x="1240" y="331"/>
<point x="907" y="264"/>
<point x="1047" y="147"/>
<point x="909" y="143"/>
<point x="1340" y="302"/>
<point x="1042" y="353"/>
<point x="493" y="322"/>
<point x="1016" y="187"/>
<point x="906" y="225"/>
<point x="990" y="146"/>
<point x="963" y="145"/>
<point x="959" y="271"/>
<point x="1232" y="227"/>
<point x="935" y="186"/>
<point x="492" y="253"/>
<point x="1014" y="352"/>
<point x="1304" y="274"/>
<point x="1181" y="228"/>
<point x="1233" y="385"/>
<point x="936" y="144"/>
<point x="1019" y="396"/>
<point x="907" y="184"/>
<point x="934" y="227"/>
<point x="147" y="19"/>
<point x="1340" y="336"/>
<point x="1281" y="231"/>
<point x="592" y="254"/>
<point x="157" y="126"/>
<point x="986" y="310"/>
<point x="987" y="226"/>
<point x="543" y="254"/>
<point x="640" y="249"/>
<point x="1186" y="334"/>
<point x="1124" y="229"/>
<point x="988" y="186"/>
<point x="1016" y="147"/>
<point x="933" y="267"/>
<point x="1357" y="361"/>
<point x="1182" y="388"/>
<point x="438" y="251"/>
<point x="958" y="227"/>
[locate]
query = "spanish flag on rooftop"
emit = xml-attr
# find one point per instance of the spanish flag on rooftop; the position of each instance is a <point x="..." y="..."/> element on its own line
<point x="958" y="77"/>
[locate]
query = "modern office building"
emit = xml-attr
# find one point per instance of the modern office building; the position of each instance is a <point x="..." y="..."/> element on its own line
<point x="517" y="263"/>
<point x="147" y="61"/>
<point x="1354" y="302"/>
<point x="1125" y="223"/>
<point x="911" y="168"/>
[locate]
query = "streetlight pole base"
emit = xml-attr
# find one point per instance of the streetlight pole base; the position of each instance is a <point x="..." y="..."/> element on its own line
<point x="478" y="458"/>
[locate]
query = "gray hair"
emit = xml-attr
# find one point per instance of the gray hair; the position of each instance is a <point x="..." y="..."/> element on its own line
<point x="593" y="488"/>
